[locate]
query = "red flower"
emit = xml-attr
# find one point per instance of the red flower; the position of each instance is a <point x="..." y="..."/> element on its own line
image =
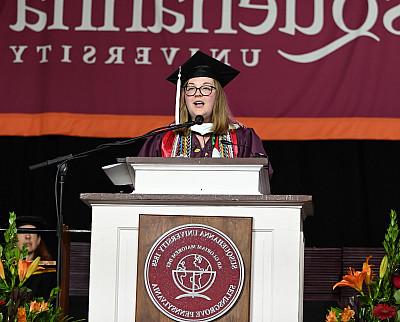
<point x="384" y="311"/>
<point x="396" y="278"/>
<point x="2" y="302"/>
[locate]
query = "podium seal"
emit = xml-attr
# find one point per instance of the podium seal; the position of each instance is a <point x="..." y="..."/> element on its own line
<point x="194" y="273"/>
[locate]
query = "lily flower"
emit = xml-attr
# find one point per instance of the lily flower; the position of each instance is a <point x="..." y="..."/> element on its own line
<point x="44" y="306"/>
<point x="368" y="269"/>
<point x="331" y="317"/>
<point x="32" y="267"/>
<point x="22" y="269"/>
<point x="34" y="307"/>
<point x="347" y="314"/>
<point x="353" y="279"/>
<point x="27" y="268"/>
<point x="38" y="307"/>
<point x="2" y="274"/>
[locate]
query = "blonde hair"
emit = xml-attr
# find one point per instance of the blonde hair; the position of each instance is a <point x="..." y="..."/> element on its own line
<point x="221" y="115"/>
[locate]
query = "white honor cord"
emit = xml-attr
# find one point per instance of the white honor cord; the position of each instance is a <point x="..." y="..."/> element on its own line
<point x="178" y="97"/>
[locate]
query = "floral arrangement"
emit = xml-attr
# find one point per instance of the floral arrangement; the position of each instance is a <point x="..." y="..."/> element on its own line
<point x="16" y="301"/>
<point x="378" y="295"/>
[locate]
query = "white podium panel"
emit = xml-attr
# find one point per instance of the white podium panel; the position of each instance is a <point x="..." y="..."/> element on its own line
<point x="277" y="249"/>
<point x="221" y="176"/>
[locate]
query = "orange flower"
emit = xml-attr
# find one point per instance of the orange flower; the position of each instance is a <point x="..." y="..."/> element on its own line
<point x="367" y="268"/>
<point x="37" y="307"/>
<point x="34" y="307"/>
<point x="353" y="279"/>
<point x="27" y="268"/>
<point x="44" y="306"/>
<point x="21" y="314"/>
<point x="22" y="269"/>
<point x="347" y="314"/>
<point x="331" y="317"/>
<point x="2" y="275"/>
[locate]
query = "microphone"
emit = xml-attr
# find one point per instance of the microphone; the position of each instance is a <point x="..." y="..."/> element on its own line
<point x="50" y="162"/>
<point x="199" y="119"/>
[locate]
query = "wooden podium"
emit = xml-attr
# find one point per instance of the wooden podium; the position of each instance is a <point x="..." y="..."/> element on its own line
<point x="197" y="187"/>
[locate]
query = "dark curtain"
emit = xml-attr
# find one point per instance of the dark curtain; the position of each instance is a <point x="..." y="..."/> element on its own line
<point x="354" y="184"/>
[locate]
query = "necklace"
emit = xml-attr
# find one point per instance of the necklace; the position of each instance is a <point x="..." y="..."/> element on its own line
<point x="182" y="145"/>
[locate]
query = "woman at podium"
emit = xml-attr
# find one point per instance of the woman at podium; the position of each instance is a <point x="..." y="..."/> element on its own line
<point x="201" y="94"/>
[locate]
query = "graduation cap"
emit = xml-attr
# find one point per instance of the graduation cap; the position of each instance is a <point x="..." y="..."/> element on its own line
<point x="200" y="65"/>
<point x="38" y="222"/>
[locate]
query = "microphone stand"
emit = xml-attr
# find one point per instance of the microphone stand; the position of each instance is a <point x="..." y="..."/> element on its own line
<point x="62" y="169"/>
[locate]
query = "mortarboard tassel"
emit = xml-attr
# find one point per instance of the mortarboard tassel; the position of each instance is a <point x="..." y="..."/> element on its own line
<point x="178" y="97"/>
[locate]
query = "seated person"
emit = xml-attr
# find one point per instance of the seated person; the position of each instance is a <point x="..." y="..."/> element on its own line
<point x="43" y="281"/>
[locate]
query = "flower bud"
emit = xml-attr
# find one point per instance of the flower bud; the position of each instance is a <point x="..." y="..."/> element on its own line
<point x="383" y="267"/>
<point x="2" y="274"/>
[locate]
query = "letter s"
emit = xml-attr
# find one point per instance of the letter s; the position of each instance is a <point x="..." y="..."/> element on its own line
<point x="89" y="54"/>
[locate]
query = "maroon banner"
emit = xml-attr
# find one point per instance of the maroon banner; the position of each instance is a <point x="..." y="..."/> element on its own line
<point x="98" y="68"/>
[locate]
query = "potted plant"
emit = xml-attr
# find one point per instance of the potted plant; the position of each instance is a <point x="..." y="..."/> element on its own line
<point x="16" y="301"/>
<point x="378" y="293"/>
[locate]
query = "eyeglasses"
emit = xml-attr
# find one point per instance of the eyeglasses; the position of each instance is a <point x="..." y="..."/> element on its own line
<point x="204" y="90"/>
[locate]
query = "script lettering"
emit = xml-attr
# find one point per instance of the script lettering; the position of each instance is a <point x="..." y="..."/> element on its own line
<point x="350" y="35"/>
<point x="389" y="17"/>
<point x="269" y="21"/>
<point x="291" y="26"/>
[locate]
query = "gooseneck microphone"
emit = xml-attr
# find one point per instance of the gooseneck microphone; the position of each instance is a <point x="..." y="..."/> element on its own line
<point x="199" y="119"/>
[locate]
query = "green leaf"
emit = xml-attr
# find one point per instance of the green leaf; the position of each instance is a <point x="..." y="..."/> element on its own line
<point x="396" y="296"/>
<point x="363" y="299"/>
<point x="336" y="310"/>
<point x="54" y="292"/>
<point x="397" y="319"/>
